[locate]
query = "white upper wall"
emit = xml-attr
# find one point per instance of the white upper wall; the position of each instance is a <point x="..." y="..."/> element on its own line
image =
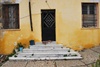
<point x="18" y="1"/>
<point x="14" y="1"/>
<point x="95" y="0"/>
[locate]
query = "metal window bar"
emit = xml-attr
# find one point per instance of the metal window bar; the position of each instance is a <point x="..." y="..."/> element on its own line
<point x="89" y="21"/>
<point x="89" y="18"/>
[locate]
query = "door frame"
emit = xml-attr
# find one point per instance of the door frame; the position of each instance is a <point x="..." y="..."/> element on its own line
<point x="41" y="22"/>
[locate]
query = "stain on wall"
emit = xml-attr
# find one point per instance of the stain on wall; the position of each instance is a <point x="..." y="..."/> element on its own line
<point x="69" y="31"/>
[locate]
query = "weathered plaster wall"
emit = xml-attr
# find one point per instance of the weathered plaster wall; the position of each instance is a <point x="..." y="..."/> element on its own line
<point x="23" y="35"/>
<point x="69" y="30"/>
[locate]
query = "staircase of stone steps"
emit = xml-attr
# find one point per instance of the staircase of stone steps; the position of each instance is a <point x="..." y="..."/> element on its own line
<point x="51" y="51"/>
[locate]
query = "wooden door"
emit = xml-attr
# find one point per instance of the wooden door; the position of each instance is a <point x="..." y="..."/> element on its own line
<point x="48" y="25"/>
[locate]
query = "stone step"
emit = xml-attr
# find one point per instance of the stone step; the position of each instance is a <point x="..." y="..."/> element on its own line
<point x="53" y="54"/>
<point x="43" y="58"/>
<point x="27" y="49"/>
<point x="50" y="55"/>
<point x="47" y="49"/>
<point x="48" y="52"/>
<point x="53" y="42"/>
<point x="45" y="46"/>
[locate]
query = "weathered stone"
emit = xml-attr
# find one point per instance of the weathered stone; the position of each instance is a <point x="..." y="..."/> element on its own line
<point x="40" y="64"/>
<point x="96" y="49"/>
<point x="15" y="64"/>
<point x="89" y="65"/>
<point x="2" y="58"/>
<point x="89" y="56"/>
<point x="30" y="64"/>
<point x="69" y="63"/>
<point x="81" y="66"/>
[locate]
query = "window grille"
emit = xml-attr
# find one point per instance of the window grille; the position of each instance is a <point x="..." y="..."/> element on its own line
<point x="89" y="15"/>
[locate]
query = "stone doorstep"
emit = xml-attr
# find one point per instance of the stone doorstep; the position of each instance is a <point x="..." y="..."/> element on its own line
<point x="44" y="58"/>
<point x="43" y="47"/>
<point x="46" y="52"/>
<point x="51" y="52"/>
<point x="40" y="53"/>
<point x="53" y="42"/>
<point x="47" y="49"/>
<point x="47" y="45"/>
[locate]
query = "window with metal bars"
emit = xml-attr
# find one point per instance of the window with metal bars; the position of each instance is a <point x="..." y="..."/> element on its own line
<point x="89" y="15"/>
<point x="10" y="16"/>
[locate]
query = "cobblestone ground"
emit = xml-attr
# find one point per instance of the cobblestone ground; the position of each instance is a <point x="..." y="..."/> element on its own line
<point x="89" y="57"/>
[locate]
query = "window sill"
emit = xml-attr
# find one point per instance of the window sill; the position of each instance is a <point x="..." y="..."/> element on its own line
<point x="11" y="29"/>
<point x="90" y="28"/>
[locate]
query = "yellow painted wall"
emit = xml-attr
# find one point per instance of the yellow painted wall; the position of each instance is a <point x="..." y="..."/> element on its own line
<point x="69" y="30"/>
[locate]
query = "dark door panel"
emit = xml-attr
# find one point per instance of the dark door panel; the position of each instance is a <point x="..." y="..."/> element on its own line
<point x="48" y="25"/>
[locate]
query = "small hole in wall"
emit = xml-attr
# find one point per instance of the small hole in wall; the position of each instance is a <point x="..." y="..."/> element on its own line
<point x="46" y="1"/>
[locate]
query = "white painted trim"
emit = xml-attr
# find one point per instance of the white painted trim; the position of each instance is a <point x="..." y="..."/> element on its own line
<point x="18" y="1"/>
<point x="94" y="0"/>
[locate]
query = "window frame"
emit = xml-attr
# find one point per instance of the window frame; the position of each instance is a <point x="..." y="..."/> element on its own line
<point x="96" y="13"/>
<point x="15" y="29"/>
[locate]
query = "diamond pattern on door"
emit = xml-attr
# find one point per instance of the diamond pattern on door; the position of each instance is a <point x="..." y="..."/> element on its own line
<point x="49" y="20"/>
